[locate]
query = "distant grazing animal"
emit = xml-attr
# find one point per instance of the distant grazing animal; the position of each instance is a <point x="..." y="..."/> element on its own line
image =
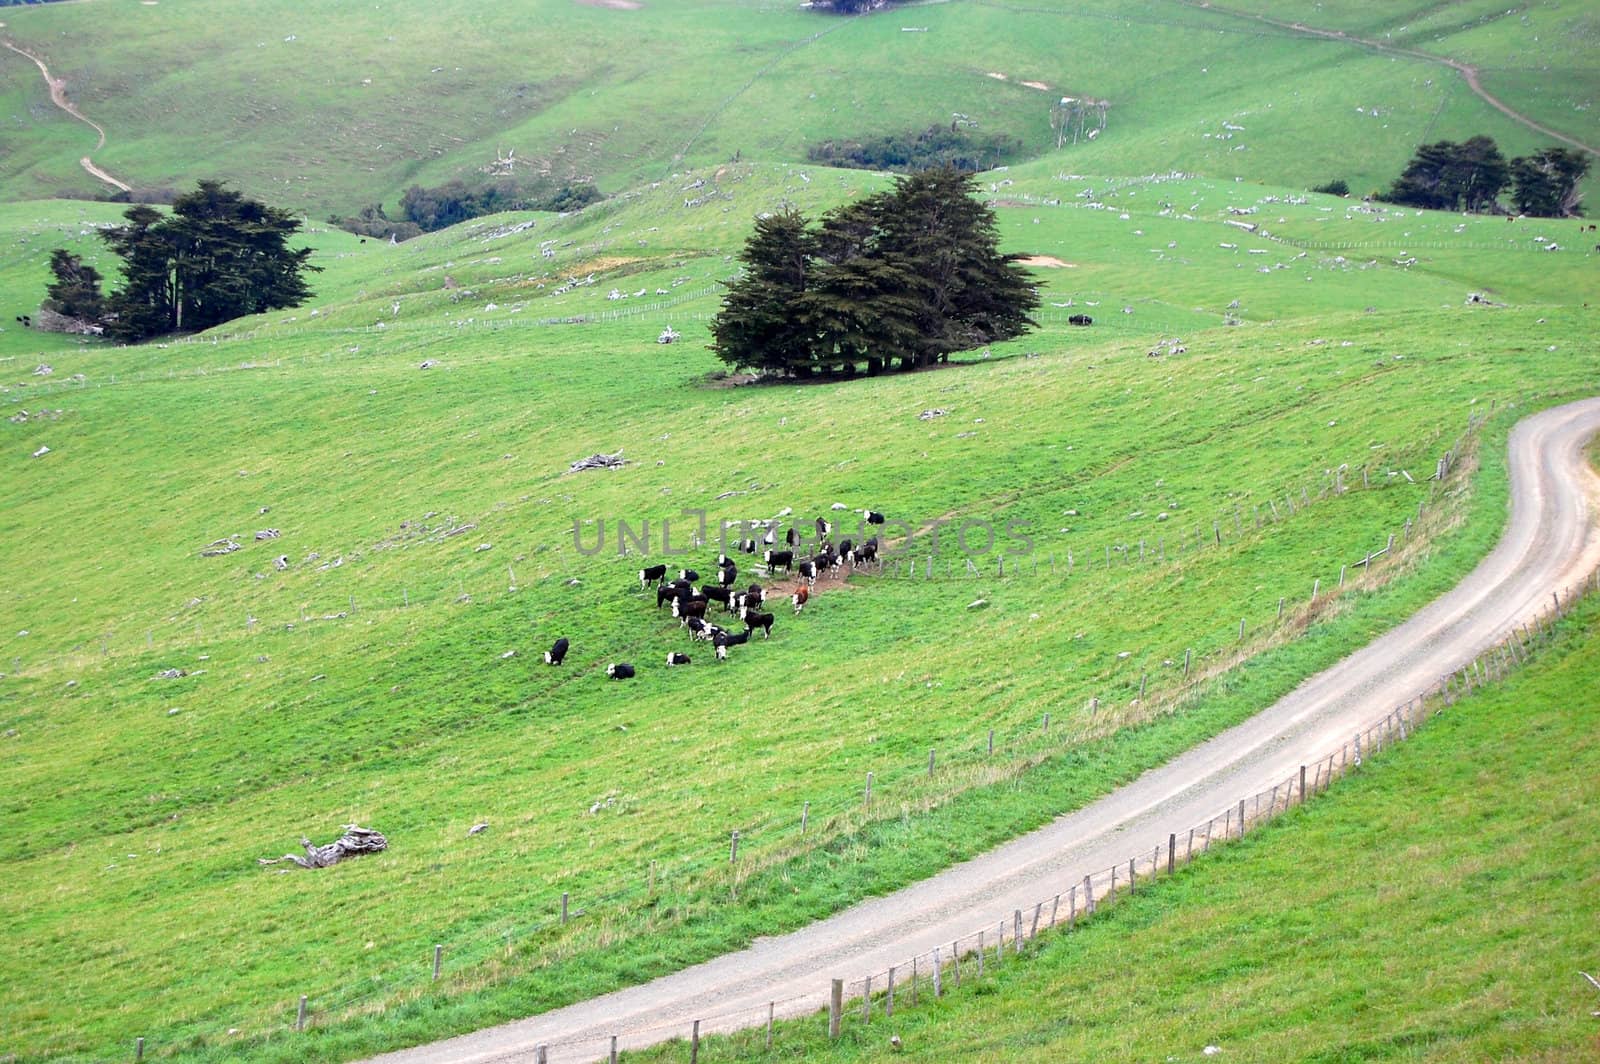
<point x="873" y="517"/>
<point x="653" y="574"/>
<point x="758" y="592"/>
<point x="823" y="528"/>
<point x="800" y="598"/>
<point x="808" y="571"/>
<point x="771" y="537"/>
<point x="865" y="553"/>
<point x="778" y="559"/>
<point x="746" y="546"/>
<point x="669" y="593"/>
<point x="791" y="536"/>
<point x="845" y="546"/>
<point x="688" y="574"/>
<point x="1080" y="319"/>
<point x="727" y="574"/>
<point x="557" y="651"/>
<point x="717" y="594"/>
<point x="620" y="671"/>
<point x="753" y="619"/>
<point x="675" y="658"/>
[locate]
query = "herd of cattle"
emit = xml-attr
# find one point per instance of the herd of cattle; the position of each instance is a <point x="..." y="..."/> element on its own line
<point x="691" y="604"/>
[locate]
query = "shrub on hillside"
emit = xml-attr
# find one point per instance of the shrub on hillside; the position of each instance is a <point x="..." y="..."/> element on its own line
<point x="934" y="147"/>
<point x="1337" y="187"/>
<point x="456" y="201"/>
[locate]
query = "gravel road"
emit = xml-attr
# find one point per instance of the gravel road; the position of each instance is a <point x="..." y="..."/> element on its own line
<point x="1550" y="544"/>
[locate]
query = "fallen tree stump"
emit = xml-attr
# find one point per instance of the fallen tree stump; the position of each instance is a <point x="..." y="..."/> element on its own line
<point x="355" y="842"/>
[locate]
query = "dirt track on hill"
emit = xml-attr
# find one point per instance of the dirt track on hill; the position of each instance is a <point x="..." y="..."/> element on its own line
<point x="1550" y="543"/>
<point x="58" y="96"/>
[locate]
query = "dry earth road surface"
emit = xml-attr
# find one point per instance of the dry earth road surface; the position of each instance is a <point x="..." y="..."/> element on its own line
<point x="1550" y="544"/>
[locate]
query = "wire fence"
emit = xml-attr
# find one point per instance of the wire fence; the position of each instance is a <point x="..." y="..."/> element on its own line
<point x="513" y="942"/>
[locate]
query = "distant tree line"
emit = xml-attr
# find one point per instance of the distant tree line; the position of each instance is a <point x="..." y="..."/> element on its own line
<point x="1471" y="176"/>
<point x="897" y="280"/>
<point x="217" y="256"/>
<point x="935" y="147"/>
<point x="424" y="210"/>
<point x="850" y="7"/>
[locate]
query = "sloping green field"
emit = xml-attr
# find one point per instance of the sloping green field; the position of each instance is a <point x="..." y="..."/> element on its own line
<point x="370" y="680"/>
<point x="331" y="107"/>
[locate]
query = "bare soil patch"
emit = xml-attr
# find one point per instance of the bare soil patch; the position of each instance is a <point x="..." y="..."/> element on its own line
<point x="1047" y="261"/>
<point x="613" y="5"/>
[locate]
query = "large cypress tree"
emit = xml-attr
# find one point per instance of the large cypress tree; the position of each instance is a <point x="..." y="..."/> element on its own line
<point x="218" y="256"/>
<point x="900" y="279"/>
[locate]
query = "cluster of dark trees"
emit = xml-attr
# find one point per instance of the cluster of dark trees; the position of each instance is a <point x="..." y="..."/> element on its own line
<point x="849" y="7"/>
<point x="937" y="146"/>
<point x="217" y="256"/>
<point x="897" y="280"/>
<point x="424" y="210"/>
<point x="1470" y="176"/>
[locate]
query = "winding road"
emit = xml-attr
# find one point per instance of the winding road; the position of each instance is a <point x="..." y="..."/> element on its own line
<point x="1550" y="544"/>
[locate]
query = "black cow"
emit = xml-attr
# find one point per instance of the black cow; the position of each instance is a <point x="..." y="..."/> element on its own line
<point x="791" y="536"/>
<point x="717" y="594"/>
<point x="873" y="517"/>
<point x="778" y="559"/>
<point x="669" y="593"/>
<point x="1080" y="319"/>
<point x="620" y="671"/>
<point x="557" y="651"/>
<point x="675" y="658"/>
<point x="652" y="574"/>
<point x="845" y="546"/>
<point x="752" y="620"/>
<point x="727" y="574"/>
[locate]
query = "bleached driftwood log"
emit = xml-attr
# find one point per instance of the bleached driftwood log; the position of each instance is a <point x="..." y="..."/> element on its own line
<point x="354" y="842"/>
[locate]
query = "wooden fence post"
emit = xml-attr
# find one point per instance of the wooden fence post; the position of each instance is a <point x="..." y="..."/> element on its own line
<point x="300" y="1017"/>
<point x="937" y="989"/>
<point x="835" y="1007"/>
<point x="1088" y="895"/>
<point x="1302" y="785"/>
<point x="694" y="1043"/>
<point x="888" y="1000"/>
<point x="613" y="1056"/>
<point x="733" y="849"/>
<point x="1241" y="818"/>
<point x="1172" y="852"/>
<point x="866" y="1001"/>
<point x="138" y="1049"/>
<point x="438" y="954"/>
<point x="805" y="812"/>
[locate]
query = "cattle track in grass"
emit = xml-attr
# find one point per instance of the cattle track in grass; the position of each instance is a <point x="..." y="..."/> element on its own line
<point x="1550" y="541"/>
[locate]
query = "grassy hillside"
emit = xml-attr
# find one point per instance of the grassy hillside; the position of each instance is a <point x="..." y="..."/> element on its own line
<point x="1410" y="915"/>
<point x="329" y="107"/>
<point x="370" y="681"/>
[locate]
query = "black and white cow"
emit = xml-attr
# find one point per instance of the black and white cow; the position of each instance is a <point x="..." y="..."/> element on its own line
<point x="791" y="536"/>
<point x="873" y="517"/>
<point x="727" y="574"/>
<point x="652" y="574"/>
<point x="685" y="608"/>
<point x="823" y="528"/>
<point x="753" y="619"/>
<point x="808" y="570"/>
<point x="557" y="652"/>
<point x="675" y="658"/>
<point x="724" y="640"/>
<point x="620" y="670"/>
<point x="1080" y="319"/>
<point x="778" y="559"/>
<point x="688" y="574"/>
